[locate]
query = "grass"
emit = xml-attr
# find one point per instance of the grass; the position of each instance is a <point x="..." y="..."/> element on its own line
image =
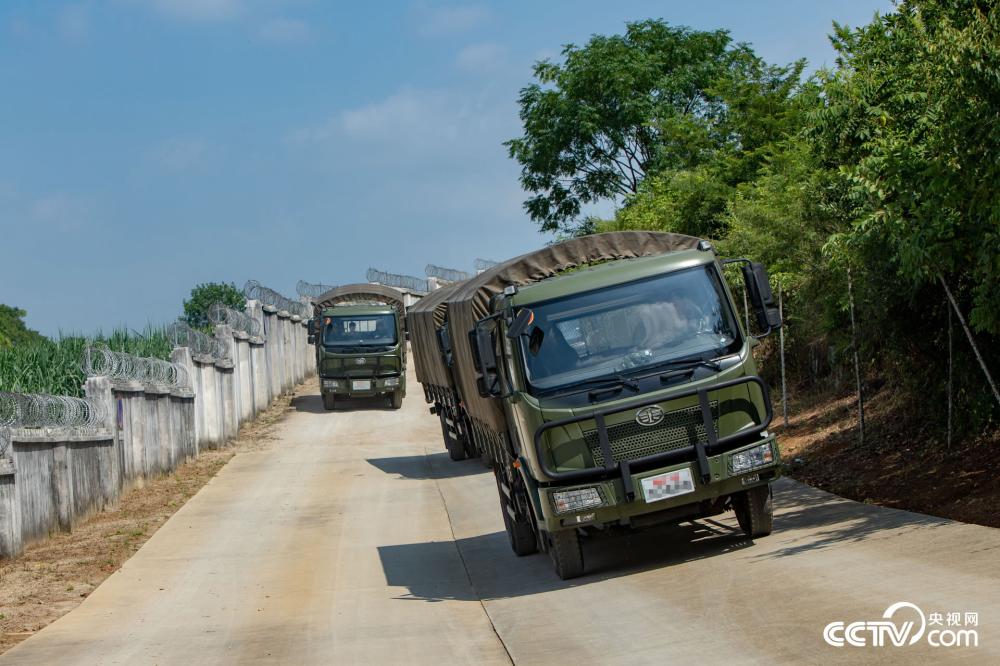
<point x="55" y="366"/>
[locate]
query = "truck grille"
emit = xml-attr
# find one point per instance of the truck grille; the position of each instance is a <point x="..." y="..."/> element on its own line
<point x="629" y="440"/>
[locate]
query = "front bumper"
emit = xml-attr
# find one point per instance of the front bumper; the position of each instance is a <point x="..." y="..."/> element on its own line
<point x="360" y="387"/>
<point x="622" y="501"/>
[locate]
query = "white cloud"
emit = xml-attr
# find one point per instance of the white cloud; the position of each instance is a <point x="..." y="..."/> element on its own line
<point x="62" y="212"/>
<point x="432" y="21"/>
<point x="73" y="23"/>
<point x="480" y="57"/>
<point x="446" y="128"/>
<point x="285" y="31"/>
<point x="198" y="10"/>
<point x="180" y="154"/>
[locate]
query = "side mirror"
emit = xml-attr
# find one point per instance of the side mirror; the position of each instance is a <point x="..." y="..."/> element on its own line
<point x="312" y="339"/>
<point x="760" y="296"/>
<point x="485" y="359"/>
<point x="522" y="320"/>
<point x="311" y="326"/>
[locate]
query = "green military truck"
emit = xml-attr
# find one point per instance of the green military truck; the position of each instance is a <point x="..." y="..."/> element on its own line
<point x="610" y="382"/>
<point x="358" y="331"/>
<point x="434" y="365"/>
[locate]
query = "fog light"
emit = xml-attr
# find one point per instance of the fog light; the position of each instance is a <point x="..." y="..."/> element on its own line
<point x="392" y="381"/>
<point x="570" y="501"/>
<point x="744" y="461"/>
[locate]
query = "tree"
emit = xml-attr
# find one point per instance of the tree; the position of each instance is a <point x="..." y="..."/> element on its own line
<point x="203" y="296"/>
<point x="614" y="110"/>
<point x="13" y="331"/>
<point x="912" y="118"/>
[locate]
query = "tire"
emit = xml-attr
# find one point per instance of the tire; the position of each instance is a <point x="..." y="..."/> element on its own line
<point x="329" y="402"/>
<point x="520" y="533"/>
<point x="396" y="399"/>
<point x="455" y="450"/>
<point x="754" y="511"/>
<point x="566" y="554"/>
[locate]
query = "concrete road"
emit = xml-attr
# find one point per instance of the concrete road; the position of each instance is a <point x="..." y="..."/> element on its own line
<point x="353" y="539"/>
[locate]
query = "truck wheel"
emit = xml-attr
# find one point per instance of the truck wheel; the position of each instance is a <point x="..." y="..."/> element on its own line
<point x="456" y="451"/>
<point x="328" y="401"/>
<point x="754" y="511"/>
<point x="522" y="539"/>
<point x="566" y="553"/>
<point x="519" y="528"/>
<point x="396" y="399"/>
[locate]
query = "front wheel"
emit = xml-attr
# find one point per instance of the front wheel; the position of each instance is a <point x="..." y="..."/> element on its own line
<point x="518" y="523"/>
<point x="328" y="401"/>
<point x="754" y="511"/>
<point x="396" y="399"/>
<point x="566" y="554"/>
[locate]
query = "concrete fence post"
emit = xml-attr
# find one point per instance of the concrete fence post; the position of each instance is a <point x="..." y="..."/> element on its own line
<point x="271" y="348"/>
<point x="208" y="402"/>
<point x="182" y="357"/>
<point x="11" y="541"/>
<point x="98" y="389"/>
<point x="228" y="389"/>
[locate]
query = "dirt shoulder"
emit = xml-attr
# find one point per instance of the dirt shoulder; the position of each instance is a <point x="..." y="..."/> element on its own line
<point x="52" y="577"/>
<point x="898" y="467"/>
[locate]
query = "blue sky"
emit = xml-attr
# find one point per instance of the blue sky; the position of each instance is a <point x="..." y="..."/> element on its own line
<point x="149" y="145"/>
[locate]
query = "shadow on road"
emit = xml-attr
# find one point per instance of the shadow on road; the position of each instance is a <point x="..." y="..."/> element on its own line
<point x="432" y="466"/>
<point x="829" y="520"/>
<point x="313" y="404"/>
<point x="497" y="573"/>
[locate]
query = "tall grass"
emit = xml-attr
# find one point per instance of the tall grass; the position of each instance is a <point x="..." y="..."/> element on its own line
<point x="55" y="366"/>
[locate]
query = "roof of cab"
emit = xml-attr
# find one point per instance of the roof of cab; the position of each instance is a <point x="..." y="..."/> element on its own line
<point x="610" y="273"/>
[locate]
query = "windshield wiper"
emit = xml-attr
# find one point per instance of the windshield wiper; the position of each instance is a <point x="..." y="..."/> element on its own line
<point x="685" y="367"/>
<point x="619" y="382"/>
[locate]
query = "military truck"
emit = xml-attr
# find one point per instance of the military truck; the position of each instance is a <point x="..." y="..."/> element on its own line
<point x="434" y="364"/>
<point x="360" y="345"/>
<point x="610" y="382"/>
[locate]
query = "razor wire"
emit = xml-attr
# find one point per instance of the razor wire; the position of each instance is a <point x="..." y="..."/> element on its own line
<point x="220" y="313"/>
<point x="396" y="280"/>
<point x="312" y="289"/>
<point x="449" y="274"/>
<point x="484" y="264"/>
<point x="182" y="335"/>
<point x="41" y="412"/>
<point x="124" y="367"/>
<point x="270" y="297"/>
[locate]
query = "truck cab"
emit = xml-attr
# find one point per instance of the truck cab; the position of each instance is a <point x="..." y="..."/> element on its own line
<point x="632" y="399"/>
<point x="361" y="352"/>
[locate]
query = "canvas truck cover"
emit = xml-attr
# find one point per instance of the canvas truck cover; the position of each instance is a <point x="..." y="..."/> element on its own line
<point x="424" y="318"/>
<point x="356" y="294"/>
<point x="469" y="302"/>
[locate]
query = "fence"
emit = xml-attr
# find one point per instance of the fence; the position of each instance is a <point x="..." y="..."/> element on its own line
<point x="63" y="458"/>
<point x="449" y="274"/>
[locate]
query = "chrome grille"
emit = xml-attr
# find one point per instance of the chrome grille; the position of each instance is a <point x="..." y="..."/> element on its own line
<point x="629" y="440"/>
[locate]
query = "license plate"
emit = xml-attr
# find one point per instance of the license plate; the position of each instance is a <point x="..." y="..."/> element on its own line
<point x="667" y="485"/>
<point x="361" y="385"/>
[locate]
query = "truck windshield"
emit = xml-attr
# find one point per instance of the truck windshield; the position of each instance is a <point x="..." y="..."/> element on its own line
<point x="626" y="328"/>
<point x="377" y="330"/>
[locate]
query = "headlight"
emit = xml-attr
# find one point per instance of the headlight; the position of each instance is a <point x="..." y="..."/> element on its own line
<point x="744" y="461"/>
<point x="392" y="381"/>
<point x="331" y="383"/>
<point x="569" y="501"/>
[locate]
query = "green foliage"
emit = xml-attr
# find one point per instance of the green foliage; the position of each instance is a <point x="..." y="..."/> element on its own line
<point x="687" y="106"/>
<point x="912" y="117"/>
<point x="886" y="166"/>
<point x="55" y="366"/>
<point x="614" y="109"/>
<point x="203" y="296"/>
<point x="12" y="328"/>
